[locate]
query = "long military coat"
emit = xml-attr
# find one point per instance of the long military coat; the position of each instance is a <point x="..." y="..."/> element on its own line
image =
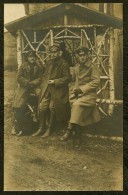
<point x="23" y="78"/>
<point x="58" y="71"/>
<point x="84" y="111"/>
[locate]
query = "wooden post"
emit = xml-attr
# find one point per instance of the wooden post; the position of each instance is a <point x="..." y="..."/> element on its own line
<point x="105" y="8"/>
<point x="35" y="37"/>
<point x="51" y="37"/>
<point x="66" y="32"/>
<point x="95" y="37"/>
<point x="65" y="20"/>
<point x="19" y="49"/>
<point x="22" y="47"/>
<point x="81" y="38"/>
<point x="111" y="72"/>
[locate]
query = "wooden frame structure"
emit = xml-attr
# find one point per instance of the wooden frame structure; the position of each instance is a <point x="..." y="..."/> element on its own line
<point x="72" y="36"/>
<point x="38" y="31"/>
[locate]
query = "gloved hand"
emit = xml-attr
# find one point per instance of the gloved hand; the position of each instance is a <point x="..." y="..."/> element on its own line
<point x="77" y="91"/>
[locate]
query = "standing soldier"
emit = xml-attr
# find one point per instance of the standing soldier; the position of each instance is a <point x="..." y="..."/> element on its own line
<point x="29" y="80"/>
<point x="86" y="79"/>
<point x="54" y="94"/>
<point x="65" y="53"/>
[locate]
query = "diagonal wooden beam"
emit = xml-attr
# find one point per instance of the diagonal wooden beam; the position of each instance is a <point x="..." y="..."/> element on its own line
<point x="33" y="48"/>
<point x="96" y="53"/>
<point x="102" y="111"/>
<point x="59" y="33"/>
<point x="43" y="41"/>
<point x="72" y="33"/>
<point x="105" y="85"/>
<point x="25" y="36"/>
<point x="25" y="47"/>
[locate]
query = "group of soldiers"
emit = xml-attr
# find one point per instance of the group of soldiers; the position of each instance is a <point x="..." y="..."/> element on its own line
<point x="63" y="95"/>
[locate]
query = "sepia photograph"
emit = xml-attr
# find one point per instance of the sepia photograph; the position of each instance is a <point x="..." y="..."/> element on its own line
<point x="63" y="97"/>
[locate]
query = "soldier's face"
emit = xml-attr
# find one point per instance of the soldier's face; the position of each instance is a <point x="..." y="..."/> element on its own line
<point x="31" y="59"/>
<point x="55" y="54"/>
<point x="82" y="57"/>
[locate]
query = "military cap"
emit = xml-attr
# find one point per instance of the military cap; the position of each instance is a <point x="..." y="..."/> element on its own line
<point x="82" y="49"/>
<point x="55" y="47"/>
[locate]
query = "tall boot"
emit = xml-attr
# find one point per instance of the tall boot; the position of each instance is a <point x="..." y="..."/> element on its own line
<point x="51" y="120"/>
<point x="78" y="136"/>
<point x="15" y="129"/>
<point x="18" y="123"/>
<point x="68" y="133"/>
<point x="42" y="124"/>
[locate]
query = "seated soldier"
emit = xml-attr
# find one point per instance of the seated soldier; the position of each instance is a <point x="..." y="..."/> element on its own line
<point x="86" y="79"/>
<point x="54" y="95"/>
<point x="28" y="79"/>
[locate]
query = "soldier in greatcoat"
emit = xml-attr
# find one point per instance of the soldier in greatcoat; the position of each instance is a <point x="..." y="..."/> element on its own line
<point x="29" y="79"/>
<point x="54" y="95"/>
<point x="85" y="81"/>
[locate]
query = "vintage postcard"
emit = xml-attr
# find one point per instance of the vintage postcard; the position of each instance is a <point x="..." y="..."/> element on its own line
<point x="63" y="97"/>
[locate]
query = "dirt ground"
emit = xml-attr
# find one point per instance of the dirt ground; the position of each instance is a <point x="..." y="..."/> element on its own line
<point x="34" y="163"/>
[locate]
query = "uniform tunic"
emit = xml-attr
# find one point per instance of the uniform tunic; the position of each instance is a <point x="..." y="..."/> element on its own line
<point x="84" y="110"/>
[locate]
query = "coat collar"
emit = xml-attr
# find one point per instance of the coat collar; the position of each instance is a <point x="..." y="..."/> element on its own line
<point x="88" y="63"/>
<point x="57" y="61"/>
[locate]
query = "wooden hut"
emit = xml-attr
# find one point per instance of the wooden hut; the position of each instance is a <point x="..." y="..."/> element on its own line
<point x="75" y="24"/>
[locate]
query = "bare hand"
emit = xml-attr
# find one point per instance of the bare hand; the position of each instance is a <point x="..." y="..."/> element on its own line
<point x="30" y="85"/>
<point x="51" y="82"/>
